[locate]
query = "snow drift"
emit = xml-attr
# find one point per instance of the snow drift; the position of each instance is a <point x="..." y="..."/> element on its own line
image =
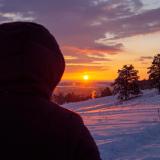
<point x="123" y="131"/>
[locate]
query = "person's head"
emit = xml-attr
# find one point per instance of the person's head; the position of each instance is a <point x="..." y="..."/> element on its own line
<point x="30" y="59"/>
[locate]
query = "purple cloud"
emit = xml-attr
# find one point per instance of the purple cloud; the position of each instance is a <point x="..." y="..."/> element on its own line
<point x="80" y="23"/>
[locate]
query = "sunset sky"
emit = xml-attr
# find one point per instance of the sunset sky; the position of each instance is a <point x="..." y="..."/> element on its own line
<point x="97" y="37"/>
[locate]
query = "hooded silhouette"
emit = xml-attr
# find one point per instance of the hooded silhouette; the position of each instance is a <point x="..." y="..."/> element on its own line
<point x="31" y="126"/>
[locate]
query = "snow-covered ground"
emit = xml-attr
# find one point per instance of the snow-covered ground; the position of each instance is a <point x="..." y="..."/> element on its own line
<point x="123" y="131"/>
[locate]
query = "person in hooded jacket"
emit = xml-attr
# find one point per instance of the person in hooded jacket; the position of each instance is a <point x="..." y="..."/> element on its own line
<point x="31" y="126"/>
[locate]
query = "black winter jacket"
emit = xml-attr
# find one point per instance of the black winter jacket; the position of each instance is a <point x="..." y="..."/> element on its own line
<point x="31" y="126"/>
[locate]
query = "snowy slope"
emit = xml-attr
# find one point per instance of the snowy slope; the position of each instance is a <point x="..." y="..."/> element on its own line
<point x="123" y="131"/>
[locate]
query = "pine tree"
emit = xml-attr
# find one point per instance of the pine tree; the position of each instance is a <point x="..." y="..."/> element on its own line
<point x="126" y="84"/>
<point x="154" y="72"/>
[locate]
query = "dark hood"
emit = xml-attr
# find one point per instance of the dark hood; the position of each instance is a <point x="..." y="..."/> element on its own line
<point x="30" y="59"/>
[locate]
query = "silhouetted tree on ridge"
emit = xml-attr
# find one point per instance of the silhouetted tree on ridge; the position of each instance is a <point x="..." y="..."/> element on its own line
<point x="154" y="72"/>
<point x="126" y="84"/>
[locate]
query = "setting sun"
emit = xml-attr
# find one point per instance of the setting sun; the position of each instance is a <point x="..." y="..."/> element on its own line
<point x="85" y="77"/>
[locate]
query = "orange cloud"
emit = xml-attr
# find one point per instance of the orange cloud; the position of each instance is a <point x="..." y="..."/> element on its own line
<point x="89" y="51"/>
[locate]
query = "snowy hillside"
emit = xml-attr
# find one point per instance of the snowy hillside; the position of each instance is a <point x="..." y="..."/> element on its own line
<point x="123" y="131"/>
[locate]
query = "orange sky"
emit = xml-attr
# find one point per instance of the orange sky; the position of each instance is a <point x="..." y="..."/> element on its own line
<point x="135" y="47"/>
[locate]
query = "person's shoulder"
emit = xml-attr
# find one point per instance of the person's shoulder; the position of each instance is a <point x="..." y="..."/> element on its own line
<point x="55" y="113"/>
<point x="65" y="113"/>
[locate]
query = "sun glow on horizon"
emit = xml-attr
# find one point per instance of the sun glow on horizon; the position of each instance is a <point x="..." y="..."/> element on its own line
<point x="86" y="77"/>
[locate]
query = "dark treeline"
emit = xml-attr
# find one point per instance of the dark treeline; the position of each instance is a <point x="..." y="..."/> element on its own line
<point x="145" y="84"/>
<point x="69" y="97"/>
<point x="61" y="98"/>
